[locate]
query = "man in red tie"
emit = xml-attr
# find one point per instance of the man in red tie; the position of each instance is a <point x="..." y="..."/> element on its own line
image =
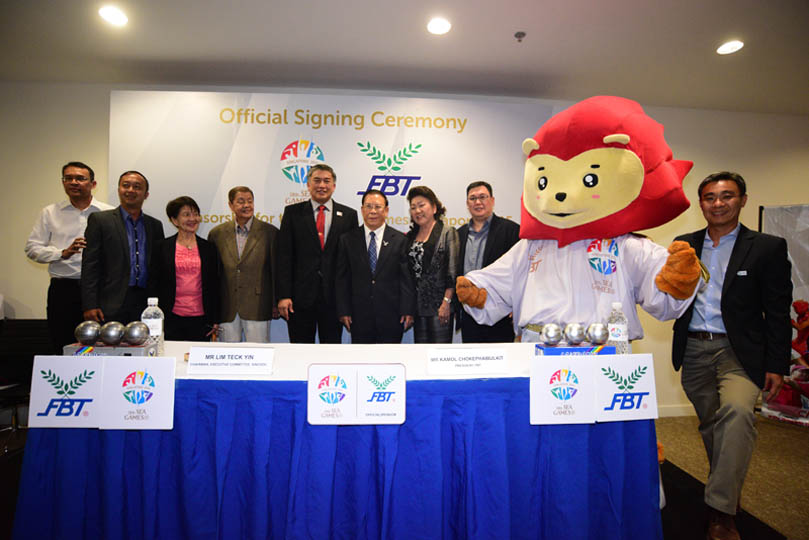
<point x="307" y="258"/>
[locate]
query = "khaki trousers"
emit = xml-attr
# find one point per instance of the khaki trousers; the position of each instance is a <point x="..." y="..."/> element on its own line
<point x="724" y="397"/>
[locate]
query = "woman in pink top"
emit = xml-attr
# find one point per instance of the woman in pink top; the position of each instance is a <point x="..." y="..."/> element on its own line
<point x="185" y="276"/>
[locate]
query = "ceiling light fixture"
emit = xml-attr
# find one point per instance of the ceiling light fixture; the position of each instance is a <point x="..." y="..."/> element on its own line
<point x="730" y="47"/>
<point x="438" y="26"/>
<point x="113" y="15"/>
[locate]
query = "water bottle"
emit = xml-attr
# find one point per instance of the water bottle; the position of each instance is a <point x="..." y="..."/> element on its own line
<point x="618" y="328"/>
<point x="153" y="317"/>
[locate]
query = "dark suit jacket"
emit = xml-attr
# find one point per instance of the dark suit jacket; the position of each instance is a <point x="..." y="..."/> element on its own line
<point x="503" y="234"/>
<point x="756" y="295"/>
<point x="376" y="302"/>
<point x="163" y="276"/>
<point x="105" y="262"/>
<point x="248" y="283"/>
<point x="304" y="270"/>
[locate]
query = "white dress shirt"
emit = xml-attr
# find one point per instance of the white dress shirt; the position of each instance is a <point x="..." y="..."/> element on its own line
<point x="327" y="214"/>
<point x="55" y="229"/>
<point x="378" y="237"/>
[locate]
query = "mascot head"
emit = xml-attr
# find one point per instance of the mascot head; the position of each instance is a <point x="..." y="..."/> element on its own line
<point x="599" y="169"/>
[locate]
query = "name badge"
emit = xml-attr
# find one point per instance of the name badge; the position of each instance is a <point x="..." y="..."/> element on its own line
<point x="741" y="273"/>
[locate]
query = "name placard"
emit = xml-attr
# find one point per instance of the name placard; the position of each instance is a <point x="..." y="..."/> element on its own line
<point x="351" y="394"/>
<point x="66" y="392"/>
<point x="467" y="361"/>
<point x="138" y="392"/>
<point x="230" y="361"/>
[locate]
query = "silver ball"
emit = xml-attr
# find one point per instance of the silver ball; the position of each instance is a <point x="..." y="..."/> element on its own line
<point x="551" y="334"/>
<point x="597" y="333"/>
<point x="87" y="332"/>
<point x="574" y="333"/>
<point x="136" y="333"/>
<point x="112" y="332"/>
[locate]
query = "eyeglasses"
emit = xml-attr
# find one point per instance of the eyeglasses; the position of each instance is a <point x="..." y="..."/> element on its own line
<point x="475" y="198"/>
<point x="77" y="178"/>
<point x="724" y="197"/>
<point x="376" y="207"/>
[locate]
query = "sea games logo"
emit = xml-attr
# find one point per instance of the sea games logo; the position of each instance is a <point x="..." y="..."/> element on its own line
<point x="138" y="387"/>
<point x="389" y="183"/>
<point x="66" y="406"/>
<point x="626" y="399"/>
<point x="332" y="388"/>
<point x="603" y="256"/>
<point x="381" y="395"/>
<point x="298" y="157"/>
<point x="563" y="384"/>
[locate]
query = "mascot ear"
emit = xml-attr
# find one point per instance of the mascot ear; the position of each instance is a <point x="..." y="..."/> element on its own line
<point x="529" y="145"/>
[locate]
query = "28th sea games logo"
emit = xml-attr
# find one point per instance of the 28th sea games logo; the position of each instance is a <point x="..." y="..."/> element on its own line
<point x="390" y="182"/>
<point x="298" y="157"/>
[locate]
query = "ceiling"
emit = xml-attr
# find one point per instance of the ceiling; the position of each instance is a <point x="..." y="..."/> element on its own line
<point x="659" y="52"/>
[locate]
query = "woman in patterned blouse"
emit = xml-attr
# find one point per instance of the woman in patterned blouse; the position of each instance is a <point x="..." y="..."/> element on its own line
<point x="432" y="257"/>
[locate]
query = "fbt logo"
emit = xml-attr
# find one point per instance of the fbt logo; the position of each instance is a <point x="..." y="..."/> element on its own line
<point x="626" y="400"/>
<point x="381" y="395"/>
<point x="390" y="183"/>
<point x="65" y="405"/>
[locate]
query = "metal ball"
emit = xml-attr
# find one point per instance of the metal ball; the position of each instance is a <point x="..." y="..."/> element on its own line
<point x="112" y="332"/>
<point x="597" y="333"/>
<point x="574" y="333"/>
<point x="136" y="333"/>
<point x="551" y="334"/>
<point x="87" y="332"/>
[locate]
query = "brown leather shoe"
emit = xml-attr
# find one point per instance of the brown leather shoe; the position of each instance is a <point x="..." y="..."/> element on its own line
<point x="721" y="526"/>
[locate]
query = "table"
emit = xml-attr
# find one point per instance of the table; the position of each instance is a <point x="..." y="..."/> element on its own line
<point x="242" y="462"/>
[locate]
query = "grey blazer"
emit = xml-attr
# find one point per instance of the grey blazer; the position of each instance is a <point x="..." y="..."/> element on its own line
<point x="246" y="283"/>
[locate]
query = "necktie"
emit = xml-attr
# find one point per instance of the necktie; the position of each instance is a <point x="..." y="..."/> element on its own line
<point x="372" y="252"/>
<point x="321" y="225"/>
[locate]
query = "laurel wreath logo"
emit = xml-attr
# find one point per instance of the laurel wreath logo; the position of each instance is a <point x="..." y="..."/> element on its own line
<point x="381" y="385"/>
<point x="624" y="384"/>
<point x="392" y="163"/>
<point x="66" y="388"/>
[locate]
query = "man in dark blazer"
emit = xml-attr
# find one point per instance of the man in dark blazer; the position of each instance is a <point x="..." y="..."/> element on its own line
<point x="115" y="265"/>
<point x="247" y="250"/>
<point x="307" y="260"/>
<point x="375" y="292"/>
<point x="482" y="241"/>
<point x="733" y="340"/>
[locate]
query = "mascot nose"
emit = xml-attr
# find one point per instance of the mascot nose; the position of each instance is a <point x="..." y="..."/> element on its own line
<point x="561" y="196"/>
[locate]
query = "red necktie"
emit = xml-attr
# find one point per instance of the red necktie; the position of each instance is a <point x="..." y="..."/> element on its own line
<point x="321" y="225"/>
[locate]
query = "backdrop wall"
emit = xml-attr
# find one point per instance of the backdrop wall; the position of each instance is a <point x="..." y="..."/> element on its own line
<point x="46" y="125"/>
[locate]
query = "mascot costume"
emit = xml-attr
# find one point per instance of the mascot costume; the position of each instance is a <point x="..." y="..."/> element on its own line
<point x="594" y="173"/>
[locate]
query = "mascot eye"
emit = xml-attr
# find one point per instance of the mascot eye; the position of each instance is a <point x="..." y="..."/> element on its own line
<point x="542" y="183"/>
<point x="590" y="180"/>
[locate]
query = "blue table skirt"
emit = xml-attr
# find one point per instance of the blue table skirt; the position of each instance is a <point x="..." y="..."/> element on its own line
<point x="242" y="462"/>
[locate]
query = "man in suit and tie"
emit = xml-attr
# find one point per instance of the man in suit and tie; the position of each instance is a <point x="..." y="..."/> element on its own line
<point x="115" y="265"/>
<point x="733" y="340"/>
<point x="247" y="249"/>
<point x="375" y="292"/>
<point x="307" y="259"/>
<point x="484" y="240"/>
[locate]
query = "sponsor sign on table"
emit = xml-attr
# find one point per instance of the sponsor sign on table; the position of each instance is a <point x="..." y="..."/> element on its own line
<point x="138" y="393"/>
<point x="66" y="392"/>
<point x="348" y="394"/>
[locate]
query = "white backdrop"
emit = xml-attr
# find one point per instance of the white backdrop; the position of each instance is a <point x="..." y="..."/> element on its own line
<point x="203" y="143"/>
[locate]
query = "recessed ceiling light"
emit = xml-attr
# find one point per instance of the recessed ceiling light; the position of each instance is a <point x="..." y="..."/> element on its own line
<point x="438" y="26"/>
<point x="113" y="15"/>
<point x="730" y="47"/>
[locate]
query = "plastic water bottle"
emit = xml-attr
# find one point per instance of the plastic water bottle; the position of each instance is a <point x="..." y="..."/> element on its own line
<point x="153" y="317"/>
<point x="618" y="327"/>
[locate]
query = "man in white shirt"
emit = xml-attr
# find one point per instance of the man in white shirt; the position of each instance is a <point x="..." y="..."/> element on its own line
<point x="58" y="239"/>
